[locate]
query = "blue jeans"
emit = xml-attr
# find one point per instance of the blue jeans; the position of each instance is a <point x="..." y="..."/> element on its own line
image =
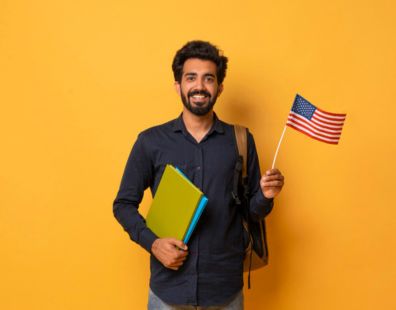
<point x="155" y="303"/>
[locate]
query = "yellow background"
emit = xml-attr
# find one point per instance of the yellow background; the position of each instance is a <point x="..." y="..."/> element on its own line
<point x="80" y="79"/>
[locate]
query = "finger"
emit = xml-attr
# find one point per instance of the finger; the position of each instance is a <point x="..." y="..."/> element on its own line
<point x="177" y="254"/>
<point x="181" y="257"/>
<point x="273" y="177"/>
<point x="272" y="171"/>
<point x="178" y="243"/>
<point x="171" y="250"/>
<point x="169" y="246"/>
<point x="181" y="253"/>
<point x="177" y="264"/>
<point x="272" y="184"/>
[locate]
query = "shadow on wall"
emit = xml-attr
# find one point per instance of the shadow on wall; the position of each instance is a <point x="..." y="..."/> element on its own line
<point x="287" y="244"/>
<point x="266" y="282"/>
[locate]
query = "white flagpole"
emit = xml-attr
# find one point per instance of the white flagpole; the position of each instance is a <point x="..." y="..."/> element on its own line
<point x="277" y="149"/>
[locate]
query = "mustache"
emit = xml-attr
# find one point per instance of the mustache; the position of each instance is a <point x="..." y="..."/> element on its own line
<point x="199" y="92"/>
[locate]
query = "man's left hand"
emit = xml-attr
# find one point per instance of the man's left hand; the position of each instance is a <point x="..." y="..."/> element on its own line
<point x="271" y="183"/>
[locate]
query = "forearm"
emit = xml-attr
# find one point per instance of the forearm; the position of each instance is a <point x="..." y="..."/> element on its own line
<point x="133" y="223"/>
<point x="136" y="179"/>
<point x="260" y="206"/>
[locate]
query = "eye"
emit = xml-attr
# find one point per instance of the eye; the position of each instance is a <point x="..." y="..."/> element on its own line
<point x="190" y="78"/>
<point x="210" y="79"/>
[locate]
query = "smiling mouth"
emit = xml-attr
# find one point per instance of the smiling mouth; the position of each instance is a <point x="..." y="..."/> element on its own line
<point x="199" y="96"/>
<point x="199" y="100"/>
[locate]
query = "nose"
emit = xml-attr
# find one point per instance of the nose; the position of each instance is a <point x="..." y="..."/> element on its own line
<point x="200" y="84"/>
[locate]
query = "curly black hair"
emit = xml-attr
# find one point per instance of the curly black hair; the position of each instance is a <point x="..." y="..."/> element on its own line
<point x="201" y="50"/>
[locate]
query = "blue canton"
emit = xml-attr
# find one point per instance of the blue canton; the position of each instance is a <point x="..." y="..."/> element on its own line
<point x="303" y="107"/>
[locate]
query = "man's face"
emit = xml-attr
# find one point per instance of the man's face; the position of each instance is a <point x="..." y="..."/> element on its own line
<point x="198" y="87"/>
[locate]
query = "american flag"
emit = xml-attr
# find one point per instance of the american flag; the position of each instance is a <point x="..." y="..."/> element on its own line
<point x="314" y="122"/>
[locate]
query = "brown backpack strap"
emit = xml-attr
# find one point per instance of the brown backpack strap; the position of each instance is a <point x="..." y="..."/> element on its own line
<point x="241" y="139"/>
<point x="256" y="230"/>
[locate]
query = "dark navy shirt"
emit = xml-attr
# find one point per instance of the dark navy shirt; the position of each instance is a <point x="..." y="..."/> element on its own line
<point x="213" y="272"/>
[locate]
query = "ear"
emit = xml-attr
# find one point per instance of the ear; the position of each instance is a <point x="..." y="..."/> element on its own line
<point x="177" y="87"/>
<point x="220" y="89"/>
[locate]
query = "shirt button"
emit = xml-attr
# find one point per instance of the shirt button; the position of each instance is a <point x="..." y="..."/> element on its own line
<point x="199" y="168"/>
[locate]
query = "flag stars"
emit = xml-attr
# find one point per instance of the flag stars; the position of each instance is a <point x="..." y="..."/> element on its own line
<point x="303" y="107"/>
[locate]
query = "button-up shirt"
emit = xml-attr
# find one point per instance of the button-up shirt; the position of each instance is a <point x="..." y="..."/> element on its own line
<point x="213" y="272"/>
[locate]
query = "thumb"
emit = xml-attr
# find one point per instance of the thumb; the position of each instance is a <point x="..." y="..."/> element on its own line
<point x="179" y="244"/>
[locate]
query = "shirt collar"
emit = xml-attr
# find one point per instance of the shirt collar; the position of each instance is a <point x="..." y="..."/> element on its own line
<point x="217" y="126"/>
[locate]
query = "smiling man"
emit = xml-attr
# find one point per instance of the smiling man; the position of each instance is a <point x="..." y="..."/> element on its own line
<point x="208" y="274"/>
<point x="199" y="86"/>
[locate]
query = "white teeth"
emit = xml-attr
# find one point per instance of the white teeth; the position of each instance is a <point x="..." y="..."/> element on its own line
<point x="198" y="96"/>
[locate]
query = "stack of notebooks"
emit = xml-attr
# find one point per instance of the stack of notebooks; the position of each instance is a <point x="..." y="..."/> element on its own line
<point x="176" y="207"/>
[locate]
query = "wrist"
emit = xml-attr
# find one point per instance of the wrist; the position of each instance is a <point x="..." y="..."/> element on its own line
<point x="154" y="245"/>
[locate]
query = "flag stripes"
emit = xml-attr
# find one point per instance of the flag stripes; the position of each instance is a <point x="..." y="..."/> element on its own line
<point x="314" y="122"/>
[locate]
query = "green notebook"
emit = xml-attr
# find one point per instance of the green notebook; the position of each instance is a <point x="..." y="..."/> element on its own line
<point x="174" y="205"/>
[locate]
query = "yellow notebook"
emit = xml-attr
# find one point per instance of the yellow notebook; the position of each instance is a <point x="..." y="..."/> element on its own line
<point x="176" y="207"/>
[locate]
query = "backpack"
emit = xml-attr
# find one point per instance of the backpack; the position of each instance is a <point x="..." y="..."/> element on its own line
<point x="256" y="251"/>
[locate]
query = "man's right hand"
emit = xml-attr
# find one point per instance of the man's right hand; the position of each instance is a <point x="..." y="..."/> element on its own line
<point x="170" y="252"/>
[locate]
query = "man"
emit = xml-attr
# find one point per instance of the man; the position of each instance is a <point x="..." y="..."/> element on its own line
<point x="209" y="271"/>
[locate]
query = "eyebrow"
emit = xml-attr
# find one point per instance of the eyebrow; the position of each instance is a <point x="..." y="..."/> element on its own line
<point x="195" y="74"/>
<point x="210" y="74"/>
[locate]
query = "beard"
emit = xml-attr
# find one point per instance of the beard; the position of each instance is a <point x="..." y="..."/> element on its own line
<point x="199" y="110"/>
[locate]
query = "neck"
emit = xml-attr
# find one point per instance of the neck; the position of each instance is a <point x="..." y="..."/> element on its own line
<point x="197" y="126"/>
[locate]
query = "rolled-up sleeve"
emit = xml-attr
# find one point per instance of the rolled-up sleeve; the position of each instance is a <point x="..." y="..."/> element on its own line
<point x="136" y="178"/>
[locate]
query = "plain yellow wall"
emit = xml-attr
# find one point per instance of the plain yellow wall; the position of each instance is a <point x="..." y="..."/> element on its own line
<point x="80" y="79"/>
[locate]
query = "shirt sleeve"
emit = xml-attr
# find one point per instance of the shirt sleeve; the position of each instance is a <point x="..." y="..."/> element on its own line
<point x="137" y="177"/>
<point x="260" y="206"/>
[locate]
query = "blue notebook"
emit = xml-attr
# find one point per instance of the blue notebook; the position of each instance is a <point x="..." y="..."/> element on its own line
<point x="197" y="215"/>
<point x="201" y="206"/>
